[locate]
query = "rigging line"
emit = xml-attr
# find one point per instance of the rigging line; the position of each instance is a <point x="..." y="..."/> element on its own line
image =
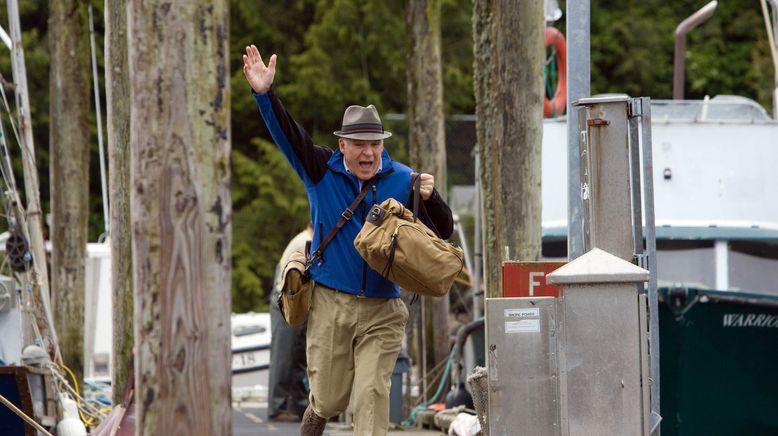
<point x="29" y="280"/>
<point x="5" y="164"/>
<point x="8" y="107"/>
<point x="99" y="112"/>
<point x="770" y="36"/>
<point x="80" y="400"/>
<point x="14" y="127"/>
<point x="86" y="417"/>
<point x="83" y="405"/>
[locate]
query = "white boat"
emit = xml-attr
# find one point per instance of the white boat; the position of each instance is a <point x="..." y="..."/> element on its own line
<point x="250" y="351"/>
<point x="250" y="331"/>
<point x="714" y="184"/>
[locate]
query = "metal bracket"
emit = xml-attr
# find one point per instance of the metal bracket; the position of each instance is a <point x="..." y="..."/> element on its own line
<point x="642" y="260"/>
<point x="635" y="108"/>
<point x="656" y="419"/>
<point x="597" y="122"/>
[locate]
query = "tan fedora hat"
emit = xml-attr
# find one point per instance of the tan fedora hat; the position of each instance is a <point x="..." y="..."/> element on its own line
<point x="363" y="123"/>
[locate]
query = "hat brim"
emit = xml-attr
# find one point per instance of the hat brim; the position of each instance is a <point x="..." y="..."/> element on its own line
<point x="363" y="136"/>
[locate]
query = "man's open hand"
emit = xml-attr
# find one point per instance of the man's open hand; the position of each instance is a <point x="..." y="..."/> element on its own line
<point x="259" y="75"/>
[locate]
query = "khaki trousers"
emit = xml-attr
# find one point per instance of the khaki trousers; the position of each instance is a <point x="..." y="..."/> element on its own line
<point x="353" y="342"/>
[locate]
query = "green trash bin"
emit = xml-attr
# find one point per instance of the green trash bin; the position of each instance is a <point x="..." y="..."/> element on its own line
<point x="719" y="363"/>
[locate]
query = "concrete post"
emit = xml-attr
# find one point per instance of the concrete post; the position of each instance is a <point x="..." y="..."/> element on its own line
<point x="603" y="347"/>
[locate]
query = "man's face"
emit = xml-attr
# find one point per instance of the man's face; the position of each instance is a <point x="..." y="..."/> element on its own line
<point x="362" y="157"/>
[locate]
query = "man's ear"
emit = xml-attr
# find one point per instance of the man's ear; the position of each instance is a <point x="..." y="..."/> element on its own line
<point x="342" y="145"/>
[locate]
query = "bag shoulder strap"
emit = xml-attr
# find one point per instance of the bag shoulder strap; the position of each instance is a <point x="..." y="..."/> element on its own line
<point x="344" y="217"/>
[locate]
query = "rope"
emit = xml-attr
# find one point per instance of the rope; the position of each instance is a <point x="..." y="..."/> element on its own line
<point x="69" y="391"/>
<point x="550" y="73"/>
<point x="84" y="407"/>
<point x="99" y="116"/>
<point x="11" y="118"/>
<point x="412" y="417"/>
<point x="88" y="421"/>
<point x="770" y="37"/>
<point x="7" y="106"/>
<point x="24" y="416"/>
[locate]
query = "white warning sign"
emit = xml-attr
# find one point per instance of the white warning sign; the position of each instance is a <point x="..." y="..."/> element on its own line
<point x="523" y="326"/>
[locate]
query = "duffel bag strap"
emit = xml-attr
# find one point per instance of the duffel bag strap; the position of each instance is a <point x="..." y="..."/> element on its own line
<point x="416" y="187"/>
<point x="344" y="217"/>
<point x="416" y="193"/>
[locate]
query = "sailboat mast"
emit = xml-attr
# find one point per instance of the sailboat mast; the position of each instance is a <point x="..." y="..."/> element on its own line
<point x="40" y="279"/>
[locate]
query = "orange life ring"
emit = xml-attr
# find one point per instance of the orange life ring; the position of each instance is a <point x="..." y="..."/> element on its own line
<point x="558" y="104"/>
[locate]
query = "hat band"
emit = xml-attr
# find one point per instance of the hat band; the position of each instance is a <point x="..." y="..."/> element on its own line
<point x="362" y="128"/>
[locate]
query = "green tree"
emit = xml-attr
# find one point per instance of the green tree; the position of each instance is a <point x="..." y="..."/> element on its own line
<point x="457" y="56"/>
<point x="270" y="207"/>
<point x="354" y="54"/>
<point x="633" y="42"/>
<point x="269" y="203"/>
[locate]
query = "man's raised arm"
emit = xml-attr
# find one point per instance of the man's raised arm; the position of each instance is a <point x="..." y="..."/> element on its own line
<point x="308" y="160"/>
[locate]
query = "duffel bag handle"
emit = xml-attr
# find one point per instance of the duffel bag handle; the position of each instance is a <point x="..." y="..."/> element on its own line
<point x="416" y="183"/>
<point x="416" y="193"/>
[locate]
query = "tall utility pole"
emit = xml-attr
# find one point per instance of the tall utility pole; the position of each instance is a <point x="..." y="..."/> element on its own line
<point x="427" y="139"/>
<point x="508" y="75"/>
<point x="69" y="139"/>
<point x="117" y="78"/>
<point x="181" y="215"/>
<point x="34" y="229"/>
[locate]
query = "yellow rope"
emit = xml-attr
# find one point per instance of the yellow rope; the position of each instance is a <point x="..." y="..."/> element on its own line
<point x="87" y="420"/>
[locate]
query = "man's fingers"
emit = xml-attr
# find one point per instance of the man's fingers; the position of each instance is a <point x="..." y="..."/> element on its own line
<point x="427" y="185"/>
<point x="257" y="56"/>
<point x="249" y="58"/>
<point x="271" y="65"/>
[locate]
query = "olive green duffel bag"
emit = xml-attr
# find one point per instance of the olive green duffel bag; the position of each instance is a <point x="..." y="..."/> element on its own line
<point x="400" y="247"/>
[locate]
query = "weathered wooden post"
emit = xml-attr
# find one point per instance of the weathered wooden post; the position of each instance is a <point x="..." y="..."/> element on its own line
<point x="426" y="137"/>
<point x="181" y="214"/>
<point x="117" y="96"/>
<point x="69" y="144"/>
<point x="508" y="83"/>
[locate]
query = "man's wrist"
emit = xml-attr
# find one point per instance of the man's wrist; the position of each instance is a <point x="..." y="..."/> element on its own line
<point x="253" y="92"/>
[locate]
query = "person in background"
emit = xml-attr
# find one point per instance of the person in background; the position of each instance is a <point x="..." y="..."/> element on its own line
<point x="287" y="391"/>
<point x="357" y="320"/>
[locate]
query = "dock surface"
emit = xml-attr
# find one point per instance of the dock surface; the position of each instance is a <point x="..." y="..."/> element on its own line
<point x="250" y="419"/>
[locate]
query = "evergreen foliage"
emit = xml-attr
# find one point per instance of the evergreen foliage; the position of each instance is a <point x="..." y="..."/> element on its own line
<point x="269" y="209"/>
